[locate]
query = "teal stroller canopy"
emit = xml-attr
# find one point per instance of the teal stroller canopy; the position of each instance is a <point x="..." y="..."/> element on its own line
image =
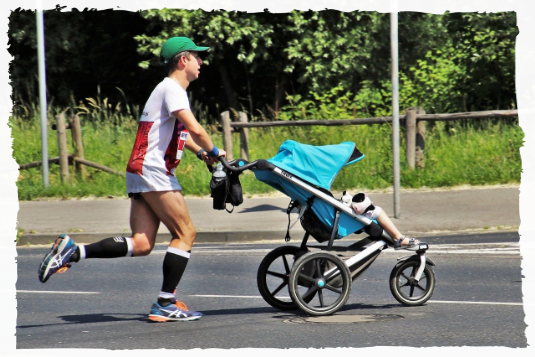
<point x="318" y="165"/>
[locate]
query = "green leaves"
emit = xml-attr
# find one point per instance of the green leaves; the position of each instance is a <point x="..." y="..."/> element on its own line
<point x="240" y="35"/>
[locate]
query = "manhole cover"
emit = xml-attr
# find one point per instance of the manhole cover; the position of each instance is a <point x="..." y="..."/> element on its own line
<point x="342" y="319"/>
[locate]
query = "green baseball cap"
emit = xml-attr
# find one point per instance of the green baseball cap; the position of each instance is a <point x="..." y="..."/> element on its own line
<point x="178" y="44"/>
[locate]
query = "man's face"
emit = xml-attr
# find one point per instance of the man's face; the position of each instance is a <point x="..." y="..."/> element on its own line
<point x="193" y="66"/>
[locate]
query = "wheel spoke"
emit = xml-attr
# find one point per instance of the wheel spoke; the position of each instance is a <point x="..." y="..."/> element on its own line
<point x="307" y="278"/>
<point x="320" y="295"/>
<point x="275" y="292"/>
<point x="424" y="277"/>
<point x="309" y="292"/>
<point x="286" y="265"/>
<point x="405" y="276"/>
<point x="333" y="289"/>
<point x="419" y="287"/>
<point x="412" y="291"/>
<point x="318" y="269"/>
<point x="404" y="285"/>
<point x="277" y="274"/>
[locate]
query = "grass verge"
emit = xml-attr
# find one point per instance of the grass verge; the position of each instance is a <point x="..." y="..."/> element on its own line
<point x="482" y="153"/>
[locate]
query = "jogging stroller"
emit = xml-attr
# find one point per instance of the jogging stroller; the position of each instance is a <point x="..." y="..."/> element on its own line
<point x="319" y="277"/>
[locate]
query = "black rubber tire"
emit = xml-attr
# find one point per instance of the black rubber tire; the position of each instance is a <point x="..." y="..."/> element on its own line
<point x="284" y="257"/>
<point x="315" y="298"/>
<point x="405" y="289"/>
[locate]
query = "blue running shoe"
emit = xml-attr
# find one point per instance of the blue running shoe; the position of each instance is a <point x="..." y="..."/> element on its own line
<point x="57" y="260"/>
<point x="176" y="311"/>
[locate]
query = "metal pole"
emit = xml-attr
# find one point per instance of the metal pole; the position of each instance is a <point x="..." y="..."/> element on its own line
<point x="42" y="90"/>
<point x="395" y="106"/>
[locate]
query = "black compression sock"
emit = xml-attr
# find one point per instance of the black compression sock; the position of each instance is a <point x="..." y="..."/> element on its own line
<point x="164" y="302"/>
<point x="75" y="257"/>
<point x="113" y="247"/>
<point x="174" y="265"/>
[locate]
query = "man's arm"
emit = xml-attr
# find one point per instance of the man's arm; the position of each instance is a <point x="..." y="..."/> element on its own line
<point x="191" y="146"/>
<point x="198" y="139"/>
<point x="199" y="151"/>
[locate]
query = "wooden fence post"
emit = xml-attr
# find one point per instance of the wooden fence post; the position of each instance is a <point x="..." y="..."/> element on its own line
<point x="244" y="137"/>
<point x="410" y="125"/>
<point x="62" y="147"/>
<point x="227" y="134"/>
<point x="76" y="131"/>
<point x="420" y="140"/>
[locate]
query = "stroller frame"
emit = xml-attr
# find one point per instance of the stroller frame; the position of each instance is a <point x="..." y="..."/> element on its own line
<point x="314" y="274"/>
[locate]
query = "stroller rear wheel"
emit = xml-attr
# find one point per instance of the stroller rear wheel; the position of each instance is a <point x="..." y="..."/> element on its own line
<point x="320" y="283"/>
<point x="406" y="289"/>
<point x="274" y="274"/>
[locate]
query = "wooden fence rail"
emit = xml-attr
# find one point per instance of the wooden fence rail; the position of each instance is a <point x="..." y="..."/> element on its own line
<point x="414" y="121"/>
<point x="65" y="159"/>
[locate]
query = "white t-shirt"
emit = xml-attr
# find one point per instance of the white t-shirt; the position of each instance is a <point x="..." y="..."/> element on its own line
<point x="159" y="141"/>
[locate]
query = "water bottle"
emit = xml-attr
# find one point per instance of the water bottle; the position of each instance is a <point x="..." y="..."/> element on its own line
<point x="219" y="187"/>
<point x="219" y="174"/>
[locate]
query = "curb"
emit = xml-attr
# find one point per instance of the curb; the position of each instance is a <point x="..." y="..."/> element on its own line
<point x="29" y="239"/>
<point x="201" y="237"/>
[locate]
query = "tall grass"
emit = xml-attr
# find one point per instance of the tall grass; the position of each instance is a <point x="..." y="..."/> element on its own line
<point x="456" y="154"/>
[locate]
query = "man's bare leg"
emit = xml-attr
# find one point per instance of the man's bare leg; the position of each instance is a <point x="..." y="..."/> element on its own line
<point x="170" y="208"/>
<point x="144" y="224"/>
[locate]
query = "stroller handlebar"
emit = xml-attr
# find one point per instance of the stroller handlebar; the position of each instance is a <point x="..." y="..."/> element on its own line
<point x="240" y="165"/>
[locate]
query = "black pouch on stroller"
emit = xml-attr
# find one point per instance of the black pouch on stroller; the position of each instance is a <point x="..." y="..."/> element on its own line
<point x="311" y="224"/>
<point x="235" y="194"/>
<point x="225" y="189"/>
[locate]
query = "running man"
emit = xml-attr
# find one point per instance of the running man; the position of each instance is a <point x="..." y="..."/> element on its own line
<point x="166" y="127"/>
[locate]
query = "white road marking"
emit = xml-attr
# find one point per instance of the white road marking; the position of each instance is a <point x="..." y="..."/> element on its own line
<point x="482" y="248"/>
<point x="220" y="251"/>
<point x="56" y="292"/>
<point x="430" y="301"/>
<point x="230" y="296"/>
<point x="477" y="248"/>
<point x="476" y="302"/>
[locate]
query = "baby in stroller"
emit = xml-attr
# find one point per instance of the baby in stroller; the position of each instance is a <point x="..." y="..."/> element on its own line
<point x="362" y="204"/>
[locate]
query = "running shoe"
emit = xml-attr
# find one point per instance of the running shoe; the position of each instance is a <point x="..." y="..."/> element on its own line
<point x="176" y="311"/>
<point x="57" y="260"/>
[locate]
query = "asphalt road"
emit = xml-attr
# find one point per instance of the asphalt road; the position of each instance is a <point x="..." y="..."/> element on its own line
<point x="103" y="304"/>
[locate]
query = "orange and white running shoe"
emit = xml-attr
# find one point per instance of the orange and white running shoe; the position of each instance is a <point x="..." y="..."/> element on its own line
<point x="175" y="311"/>
<point x="57" y="260"/>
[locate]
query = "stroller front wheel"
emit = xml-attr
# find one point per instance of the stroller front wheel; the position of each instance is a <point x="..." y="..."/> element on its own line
<point x="406" y="289"/>
<point x="320" y="283"/>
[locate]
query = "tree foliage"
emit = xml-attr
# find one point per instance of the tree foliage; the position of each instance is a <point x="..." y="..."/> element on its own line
<point x="85" y="51"/>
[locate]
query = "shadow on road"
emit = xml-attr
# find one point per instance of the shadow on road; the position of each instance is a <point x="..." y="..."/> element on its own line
<point x="296" y="312"/>
<point x="119" y="317"/>
<point x="93" y="318"/>
<point x="262" y="208"/>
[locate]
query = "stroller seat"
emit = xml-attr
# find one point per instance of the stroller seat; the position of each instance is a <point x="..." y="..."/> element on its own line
<point x="317" y="166"/>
